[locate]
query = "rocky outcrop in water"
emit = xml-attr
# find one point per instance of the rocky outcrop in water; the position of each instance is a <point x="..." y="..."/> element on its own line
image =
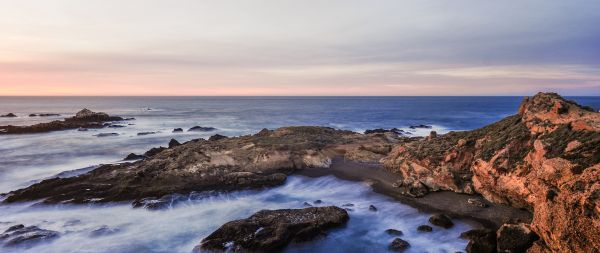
<point x="84" y="119"/>
<point x="8" y="115"/>
<point x="20" y="235"/>
<point x="545" y="159"/>
<point x="235" y="163"/>
<point x="270" y="230"/>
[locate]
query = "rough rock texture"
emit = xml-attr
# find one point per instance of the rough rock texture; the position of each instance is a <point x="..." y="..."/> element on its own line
<point x="545" y="159"/>
<point x="514" y="238"/>
<point x="399" y="245"/>
<point x="227" y="164"/>
<point x="269" y="230"/>
<point x="20" y="235"/>
<point x="83" y="119"/>
<point x="480" y="241"/>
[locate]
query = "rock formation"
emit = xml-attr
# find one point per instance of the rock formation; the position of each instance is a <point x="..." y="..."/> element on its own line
<point x="546" y="159"/>
<point x="225" y="164"/>
<point x="20" y="235"/>
<point x="270" y="230"/>
<point x="82" y="120"/>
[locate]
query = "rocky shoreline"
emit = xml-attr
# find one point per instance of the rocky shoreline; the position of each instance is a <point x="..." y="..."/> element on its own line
<point x="82" y="120"/>
<point x="535" y="174"/>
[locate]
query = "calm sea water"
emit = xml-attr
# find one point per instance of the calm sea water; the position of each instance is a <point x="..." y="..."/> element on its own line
<point x="26" y="159"/>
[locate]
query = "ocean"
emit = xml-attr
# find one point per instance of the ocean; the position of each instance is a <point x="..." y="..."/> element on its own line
<point x="26" y="159"/>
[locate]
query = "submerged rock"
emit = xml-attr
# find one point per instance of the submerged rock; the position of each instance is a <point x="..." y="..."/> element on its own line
<point x="106" y="134"/>
<point x="270" y="230"/>
<point x="20" y="235"/>
<point x="395" y="232"/>
<point x="420" y="126"/>
<point x="177" y="130"/>
<point x="399" y="245"/>
<point x="372" y="208"/>
<point x="424" y="228"/>
<point x="145" y="133"/>
<point x="441" y="220"/>
<point x="84" y="119"/>
<point x="104" y="231"/>
<point x="43" y="114"/>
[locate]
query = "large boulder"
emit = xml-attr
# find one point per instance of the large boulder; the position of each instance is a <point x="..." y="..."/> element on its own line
<point x="544" y="159"/>
<point x="270" y="230"/>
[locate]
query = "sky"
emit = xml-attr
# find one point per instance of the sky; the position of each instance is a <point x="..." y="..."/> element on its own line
<point x="280" y="47"/>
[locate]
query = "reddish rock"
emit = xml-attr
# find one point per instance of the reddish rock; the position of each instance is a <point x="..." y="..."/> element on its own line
<point x="545" y="159"/>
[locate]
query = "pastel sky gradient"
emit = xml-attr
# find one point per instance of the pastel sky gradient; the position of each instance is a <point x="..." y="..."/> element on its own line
<point x="280" y="47"/>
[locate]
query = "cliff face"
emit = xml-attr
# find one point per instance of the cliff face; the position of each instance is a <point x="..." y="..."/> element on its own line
<point x="546" y="159"/>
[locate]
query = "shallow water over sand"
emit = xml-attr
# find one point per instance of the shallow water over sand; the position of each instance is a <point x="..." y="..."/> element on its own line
<point x="180" y="228"/>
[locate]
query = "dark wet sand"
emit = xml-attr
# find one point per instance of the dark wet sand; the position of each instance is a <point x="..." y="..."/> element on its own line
<point x="451" y="203"/>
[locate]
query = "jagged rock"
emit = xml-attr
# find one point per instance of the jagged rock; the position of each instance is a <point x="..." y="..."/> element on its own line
<point x="84" y="119"/>
<point x="133" y="156"/>
<point x="441" y="220"/>
<point x="424" y="228"/>
<point x="173" y="143"/>
<point x="395" y="232"/>
<point x="201" y="129"/>
<point x="154" y="151"/>
<point x="270" y="230"/>
<point x="480" y="241"/>
<point x="20" y="235"/>
<point x="217" y="137"/>
<point x="544" y="159"/>
<point x="9" y="115"/>
<point x="399" y="245"/>
<point x="514" y="238"/>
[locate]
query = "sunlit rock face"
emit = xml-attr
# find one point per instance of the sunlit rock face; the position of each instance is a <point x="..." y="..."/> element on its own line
<point x="546" y="159"/>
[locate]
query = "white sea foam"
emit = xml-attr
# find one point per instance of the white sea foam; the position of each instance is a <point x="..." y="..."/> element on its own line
<point x="181" y="228"/>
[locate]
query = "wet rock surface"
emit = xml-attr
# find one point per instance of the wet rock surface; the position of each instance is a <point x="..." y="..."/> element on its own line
<point x="23" y="236"/>
<point x="270" y="230"/>
<point x="84" y="119"/>
<point x="399" y="245"/>
<point x="424" y="228"/>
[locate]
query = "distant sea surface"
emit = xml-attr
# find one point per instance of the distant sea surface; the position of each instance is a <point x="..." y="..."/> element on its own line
<point x="27" y="159"/>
